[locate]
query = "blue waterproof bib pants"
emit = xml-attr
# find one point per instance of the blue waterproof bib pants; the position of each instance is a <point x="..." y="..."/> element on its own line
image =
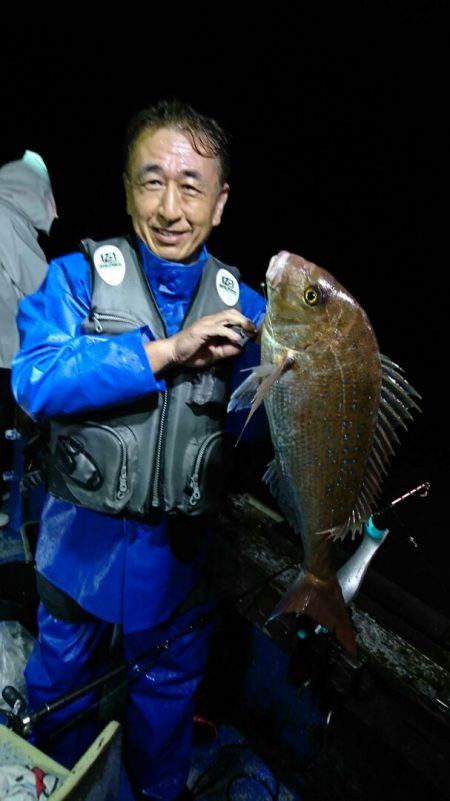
<point x="160" y="703"/>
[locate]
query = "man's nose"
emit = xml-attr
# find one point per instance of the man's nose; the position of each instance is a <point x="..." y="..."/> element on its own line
<point x="170" y="205"/>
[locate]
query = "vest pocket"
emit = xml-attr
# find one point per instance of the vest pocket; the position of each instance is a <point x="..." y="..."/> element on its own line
<point x="94" y="465"/>
<point x="208" y="465"/>
<point x="109" y="322"/>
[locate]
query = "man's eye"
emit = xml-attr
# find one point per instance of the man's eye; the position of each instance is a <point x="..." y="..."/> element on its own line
<point x="190" y="189"/>
<point x="151" y="183"/>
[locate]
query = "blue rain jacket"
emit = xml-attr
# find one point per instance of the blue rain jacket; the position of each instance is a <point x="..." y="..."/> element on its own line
<point x="121" y="570"/>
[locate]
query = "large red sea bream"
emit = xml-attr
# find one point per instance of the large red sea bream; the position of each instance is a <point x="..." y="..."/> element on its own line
<point x="333" y="404"/>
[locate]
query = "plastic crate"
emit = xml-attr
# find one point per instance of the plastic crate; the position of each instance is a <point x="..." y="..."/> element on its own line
<point x="95" y="777"/>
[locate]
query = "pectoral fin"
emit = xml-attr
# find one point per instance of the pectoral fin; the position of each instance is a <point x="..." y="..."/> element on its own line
<point x="255" y="388"/>
<point x="245" y="394"/>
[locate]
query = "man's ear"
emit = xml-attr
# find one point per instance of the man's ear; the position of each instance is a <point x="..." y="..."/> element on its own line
<point x="127" y="186"/>
<point x="220" y="204"/>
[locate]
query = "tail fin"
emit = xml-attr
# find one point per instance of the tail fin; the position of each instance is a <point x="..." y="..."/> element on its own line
<point x="323" y="602"/>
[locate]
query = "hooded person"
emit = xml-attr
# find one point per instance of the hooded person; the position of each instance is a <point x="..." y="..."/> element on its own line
<point x="27" y="206"/>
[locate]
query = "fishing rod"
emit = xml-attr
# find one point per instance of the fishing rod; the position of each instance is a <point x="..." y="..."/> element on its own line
<point x="422" y="489"/>
<point x="351" y="574"/>
<point x="356" y="566"/>
<point x="23" y="723"/>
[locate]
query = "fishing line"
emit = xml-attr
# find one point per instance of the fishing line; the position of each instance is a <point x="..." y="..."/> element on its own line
<point x="326" y="728"/>
<point x="262" y="290"/>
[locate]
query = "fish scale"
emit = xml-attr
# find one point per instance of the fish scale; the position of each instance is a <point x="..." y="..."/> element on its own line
<point x="324" y="429"/>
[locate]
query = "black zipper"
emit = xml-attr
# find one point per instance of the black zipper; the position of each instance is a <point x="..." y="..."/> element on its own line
<point x="158" y="477"/>
<point x="159" y="448"/>
<point x="193" y="482"/>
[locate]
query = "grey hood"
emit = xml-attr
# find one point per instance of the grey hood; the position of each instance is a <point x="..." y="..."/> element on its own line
<point x="27" y="206"/>
<point x="28" y="190"/>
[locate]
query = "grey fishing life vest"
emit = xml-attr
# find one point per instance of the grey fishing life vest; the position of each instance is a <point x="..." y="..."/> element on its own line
<point x="167" y="450"/>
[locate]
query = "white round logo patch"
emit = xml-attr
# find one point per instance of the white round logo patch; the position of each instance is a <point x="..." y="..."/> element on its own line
<point x="227" y="287"/>
<point x="110" y="264"/>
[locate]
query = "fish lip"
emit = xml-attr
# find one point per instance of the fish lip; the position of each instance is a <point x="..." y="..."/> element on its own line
<point x="276" y="267"/>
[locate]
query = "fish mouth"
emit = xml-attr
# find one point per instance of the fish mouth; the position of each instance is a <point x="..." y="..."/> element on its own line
<point x="276" y="268"/>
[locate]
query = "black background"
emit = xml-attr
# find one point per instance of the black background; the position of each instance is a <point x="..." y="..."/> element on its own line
<point x="338" y="114"/>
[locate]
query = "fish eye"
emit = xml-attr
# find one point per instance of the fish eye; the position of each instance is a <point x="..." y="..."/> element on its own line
<point x="312" y="295"/>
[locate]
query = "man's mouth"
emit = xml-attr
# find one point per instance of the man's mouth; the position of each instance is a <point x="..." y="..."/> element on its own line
<point x="168" y="236"/>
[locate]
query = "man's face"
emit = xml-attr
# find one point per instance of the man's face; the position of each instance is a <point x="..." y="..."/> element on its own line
<point x="174" y="195"/>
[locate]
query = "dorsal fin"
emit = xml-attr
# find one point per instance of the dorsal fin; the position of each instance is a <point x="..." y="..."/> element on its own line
<point x="397" y="398"/>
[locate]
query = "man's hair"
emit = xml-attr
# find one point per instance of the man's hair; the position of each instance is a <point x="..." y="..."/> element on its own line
<point x="205" y="134"/>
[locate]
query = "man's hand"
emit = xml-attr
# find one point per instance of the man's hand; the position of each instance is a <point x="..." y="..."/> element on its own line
<point x="206" y="341"/>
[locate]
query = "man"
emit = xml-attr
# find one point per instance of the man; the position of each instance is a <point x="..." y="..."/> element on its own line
<point x="131" y="357"/>
<point x="27" y="206"/>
